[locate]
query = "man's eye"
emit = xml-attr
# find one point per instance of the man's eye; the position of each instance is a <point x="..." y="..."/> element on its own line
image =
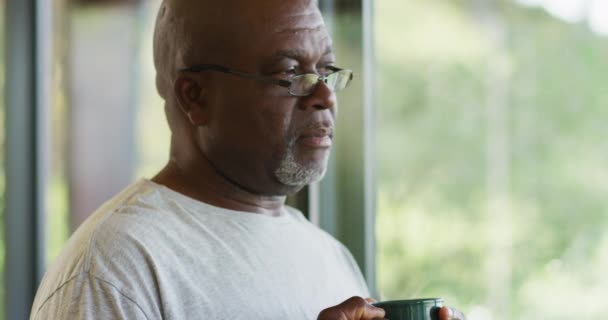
<point x="325" y="70"/>
<point x="290" y="71"/>
<point x="287" y="72"/>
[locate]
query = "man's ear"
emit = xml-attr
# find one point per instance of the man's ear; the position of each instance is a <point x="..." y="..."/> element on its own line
<point x="191" y="99"/>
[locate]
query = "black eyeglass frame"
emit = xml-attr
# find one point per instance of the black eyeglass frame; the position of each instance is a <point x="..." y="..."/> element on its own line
<point x="283" y="83"/>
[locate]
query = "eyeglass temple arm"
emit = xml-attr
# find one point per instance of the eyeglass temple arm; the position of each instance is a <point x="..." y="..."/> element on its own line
<point x="213" y="67"/>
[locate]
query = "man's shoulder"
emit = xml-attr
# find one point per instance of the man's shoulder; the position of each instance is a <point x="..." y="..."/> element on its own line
<point x="113" y="232"/>
<point x="126" y="215"/>
<point x="105" y="245"/>
<point x="119" y="232"/>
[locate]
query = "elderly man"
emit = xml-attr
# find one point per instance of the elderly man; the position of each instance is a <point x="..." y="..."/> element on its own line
<point x="250" y="100"/>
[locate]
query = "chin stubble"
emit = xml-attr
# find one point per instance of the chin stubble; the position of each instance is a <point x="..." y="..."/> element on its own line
<point x="294" y="174"/>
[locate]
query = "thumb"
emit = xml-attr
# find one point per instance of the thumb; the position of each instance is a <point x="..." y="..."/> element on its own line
<point x="370" y="300"/>
<point x="445" y="313"/>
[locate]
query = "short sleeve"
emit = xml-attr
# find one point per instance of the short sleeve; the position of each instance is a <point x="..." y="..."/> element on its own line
<point x="87" y="297"/>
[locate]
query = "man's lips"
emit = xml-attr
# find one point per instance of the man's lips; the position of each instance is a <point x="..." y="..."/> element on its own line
<point x="317" y="138"/>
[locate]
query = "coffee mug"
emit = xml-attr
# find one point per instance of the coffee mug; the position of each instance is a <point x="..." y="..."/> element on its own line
<point x="416" y="309"/>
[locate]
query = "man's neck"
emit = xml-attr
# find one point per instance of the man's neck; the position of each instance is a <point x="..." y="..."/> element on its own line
<point x="204" y="184"/>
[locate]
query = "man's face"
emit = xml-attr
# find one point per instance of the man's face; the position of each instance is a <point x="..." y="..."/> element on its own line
<point x="258" y="135"/>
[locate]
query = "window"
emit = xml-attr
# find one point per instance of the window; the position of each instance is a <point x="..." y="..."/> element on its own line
<point x="62" y="119"/>
<point x="57" y="199"/>
<point x="2" y="144"/>
<point x="491" y="144"/>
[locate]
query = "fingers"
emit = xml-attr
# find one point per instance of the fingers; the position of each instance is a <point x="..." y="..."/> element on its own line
<point x="447" y="313"/>
<point x="355" y="308"/>
<point x="370" y="301"/>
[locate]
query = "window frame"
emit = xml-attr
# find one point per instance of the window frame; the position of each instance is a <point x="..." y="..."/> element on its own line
<point x="28" y="82"/>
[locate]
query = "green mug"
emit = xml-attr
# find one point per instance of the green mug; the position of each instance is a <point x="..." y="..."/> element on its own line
<point x="417" y="309"/>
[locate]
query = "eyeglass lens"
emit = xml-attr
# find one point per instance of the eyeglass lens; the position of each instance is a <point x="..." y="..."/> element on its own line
<point x="306" y="83"/>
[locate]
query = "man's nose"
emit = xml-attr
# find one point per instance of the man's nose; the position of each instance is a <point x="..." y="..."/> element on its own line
<point x="321" y="98"/>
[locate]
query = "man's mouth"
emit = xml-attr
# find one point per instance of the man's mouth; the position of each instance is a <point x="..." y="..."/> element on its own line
<point x="319" y="137"/>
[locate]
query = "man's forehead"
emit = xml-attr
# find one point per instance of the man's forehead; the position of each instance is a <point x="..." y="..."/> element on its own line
<point x="286" y="16"/>
<point x="298" y="42"/>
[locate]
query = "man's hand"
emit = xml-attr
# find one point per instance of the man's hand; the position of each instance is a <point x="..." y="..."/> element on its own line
<point x="355" y="308"/>
<point x="447" y="313"/>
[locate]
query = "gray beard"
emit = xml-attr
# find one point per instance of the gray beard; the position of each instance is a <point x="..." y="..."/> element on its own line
<point x="294" y="174"/>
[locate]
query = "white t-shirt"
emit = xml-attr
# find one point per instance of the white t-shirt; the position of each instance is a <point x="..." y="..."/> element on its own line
<point x="152" y="253"/>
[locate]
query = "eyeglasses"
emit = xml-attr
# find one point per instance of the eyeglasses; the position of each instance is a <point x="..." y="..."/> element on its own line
<point x="301" y="85"/>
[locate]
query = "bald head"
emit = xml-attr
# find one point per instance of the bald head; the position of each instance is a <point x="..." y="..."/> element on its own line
<point x="210" y="31"/>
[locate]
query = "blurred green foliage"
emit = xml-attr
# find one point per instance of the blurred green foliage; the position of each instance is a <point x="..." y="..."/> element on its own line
<point x="491" y="147"/>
